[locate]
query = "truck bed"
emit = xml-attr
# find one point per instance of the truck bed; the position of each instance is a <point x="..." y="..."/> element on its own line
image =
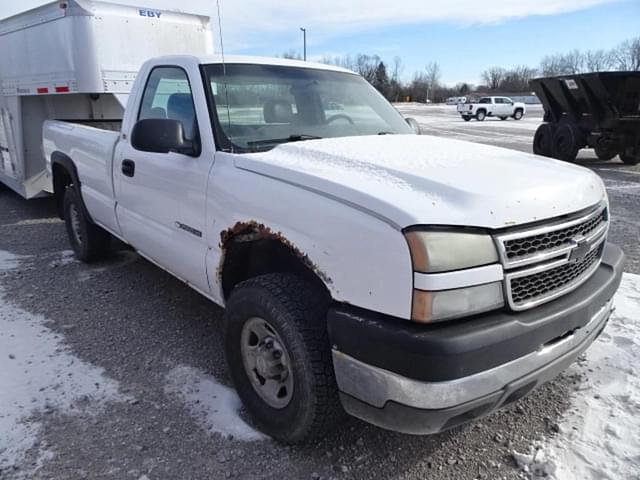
<point x="90" y="144"/>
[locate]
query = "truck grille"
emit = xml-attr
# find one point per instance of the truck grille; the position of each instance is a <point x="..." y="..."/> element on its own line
<point x="544" y="284"/>
<point x="520" y="248"/>
<point x="545" y="262"/>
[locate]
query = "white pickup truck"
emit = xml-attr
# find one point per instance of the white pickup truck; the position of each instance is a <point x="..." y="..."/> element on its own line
<point x="501" y="107"/>
<point x="413" y="281"/>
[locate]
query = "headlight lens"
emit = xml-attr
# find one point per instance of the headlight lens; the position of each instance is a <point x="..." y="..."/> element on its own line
<point x="429" y="307"/>
<point x="433" y="252"/>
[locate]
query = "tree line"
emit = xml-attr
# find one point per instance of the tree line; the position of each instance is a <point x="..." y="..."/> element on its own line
<point x="427" y="85"/>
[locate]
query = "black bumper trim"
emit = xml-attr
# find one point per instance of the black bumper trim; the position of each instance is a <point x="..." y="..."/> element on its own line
<point x="451" y="350"/>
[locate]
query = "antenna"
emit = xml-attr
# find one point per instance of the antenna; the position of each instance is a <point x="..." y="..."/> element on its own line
<point x="224" y="69"/>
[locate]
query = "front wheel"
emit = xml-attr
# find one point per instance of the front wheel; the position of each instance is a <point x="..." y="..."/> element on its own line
<point x="88" y="241"/>
<point x="279" y="356"/>
<point x="518" y="114"/>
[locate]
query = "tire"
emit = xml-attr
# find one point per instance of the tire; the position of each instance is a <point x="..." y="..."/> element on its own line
<point x="503" y="118"/>
<point x="88" y="241"/>
<point x="295" y="314"/>
<point x="543" y="140"/>
<point x="566" y="143"/>
<point x="629" y="158"/>
<point x="518" y="114"/>
<point x="481" y="115"/>
<point x="466" y="118"/>
<point x="605" y="154"/>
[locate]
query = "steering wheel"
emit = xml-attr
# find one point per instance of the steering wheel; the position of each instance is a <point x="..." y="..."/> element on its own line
<point x="340" y="116"/>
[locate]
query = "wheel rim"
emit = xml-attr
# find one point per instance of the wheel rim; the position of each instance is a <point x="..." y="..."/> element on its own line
<point x="518" y="115"/>
<point x="74" y="217"/>
<point x="267" y="362"/>
<point x="481" y="116"/>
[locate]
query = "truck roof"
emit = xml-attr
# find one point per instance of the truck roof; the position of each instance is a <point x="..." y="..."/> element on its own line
<point x="253" y="60"/>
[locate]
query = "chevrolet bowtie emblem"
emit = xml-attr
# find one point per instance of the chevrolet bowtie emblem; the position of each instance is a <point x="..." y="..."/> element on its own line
<point x="580" y="251"/>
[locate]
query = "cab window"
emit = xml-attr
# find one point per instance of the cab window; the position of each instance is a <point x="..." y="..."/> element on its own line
<point x="168" y="95"/>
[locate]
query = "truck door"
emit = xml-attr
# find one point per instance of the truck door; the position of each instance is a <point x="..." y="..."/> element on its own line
<point x="162" y="196"/>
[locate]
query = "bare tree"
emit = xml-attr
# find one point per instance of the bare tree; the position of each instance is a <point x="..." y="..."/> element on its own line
<point x="292" y="54"/>
<point x="598" y="60"/>
<point x="396" y="69"/>
<point x="573" y="62"/>
<point x="493" y="77"/>
<point x="627" y="55"/>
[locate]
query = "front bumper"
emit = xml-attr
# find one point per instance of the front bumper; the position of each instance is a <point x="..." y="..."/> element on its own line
<point x="424" y="379"/>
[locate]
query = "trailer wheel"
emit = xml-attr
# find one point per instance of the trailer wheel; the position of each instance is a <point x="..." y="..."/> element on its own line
<point x="543" y="140"/>
<point x="481" y="115"/>
<point x="605" y="154"/>
<point x="88" y="241"/>
<point x="566" y="143"/>
<point x="518" y="114"/>
<point x="630" y="156"/>
<point x="279" y="356"/>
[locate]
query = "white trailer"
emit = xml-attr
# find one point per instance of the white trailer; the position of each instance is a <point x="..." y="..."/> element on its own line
<point x="76" y="60"/>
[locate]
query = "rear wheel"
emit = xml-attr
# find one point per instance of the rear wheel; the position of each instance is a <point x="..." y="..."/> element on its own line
<point x="543" y="140"/>
<point x="605" y="154"/>
<point x="279" y="356"/>
<point x="88" y="241"/>
<point x="481" y="115"/>
<point x="630" y="156"/>
<point x="518" y="114"/>
<point x="566" y="143"/>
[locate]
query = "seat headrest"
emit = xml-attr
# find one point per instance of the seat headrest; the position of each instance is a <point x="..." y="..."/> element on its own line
<point x="277" y="111"/>
<point x="180" y="107"/>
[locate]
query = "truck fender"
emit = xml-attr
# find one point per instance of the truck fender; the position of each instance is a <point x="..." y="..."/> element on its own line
<point x="60" y="183"/>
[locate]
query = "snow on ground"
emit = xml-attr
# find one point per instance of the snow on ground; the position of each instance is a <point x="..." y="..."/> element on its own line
<point x="600" y="435"/>
<point x="66" y="257"/>
<point x="215" y="406"/>
<point x="38" y="375"/>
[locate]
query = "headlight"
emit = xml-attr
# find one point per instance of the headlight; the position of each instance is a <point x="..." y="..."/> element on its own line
<point x="433" y="252"/>
<point x="430" y="307"/>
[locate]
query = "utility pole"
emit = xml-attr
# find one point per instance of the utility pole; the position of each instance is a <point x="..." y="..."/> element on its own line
<point x="304" y="39"/>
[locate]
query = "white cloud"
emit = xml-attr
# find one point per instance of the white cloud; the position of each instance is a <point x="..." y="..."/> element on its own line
<point x="249" y="23"/>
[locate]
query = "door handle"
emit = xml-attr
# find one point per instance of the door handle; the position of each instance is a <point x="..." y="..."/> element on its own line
<point x="128" y="168"/>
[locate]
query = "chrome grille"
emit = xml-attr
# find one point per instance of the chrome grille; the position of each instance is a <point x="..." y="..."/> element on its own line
<point x="553" y="240"/>
<point x="544" y="284"/>
<point x="544" y="262"/>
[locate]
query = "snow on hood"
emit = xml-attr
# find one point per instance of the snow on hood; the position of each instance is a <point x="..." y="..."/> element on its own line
<point x="411" y="179"/>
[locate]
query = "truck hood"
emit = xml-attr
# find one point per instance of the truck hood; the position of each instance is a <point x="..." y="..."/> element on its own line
<point x="409" y="179"/>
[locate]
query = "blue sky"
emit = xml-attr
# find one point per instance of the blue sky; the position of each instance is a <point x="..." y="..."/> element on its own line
<point x="464" y="36"/>
<point x="465" y="50"/>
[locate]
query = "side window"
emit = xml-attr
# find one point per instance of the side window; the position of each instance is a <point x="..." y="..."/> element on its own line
<point x="168" y="95"/>
<point x="485" y="100"/>
<point x="499" y="101"/>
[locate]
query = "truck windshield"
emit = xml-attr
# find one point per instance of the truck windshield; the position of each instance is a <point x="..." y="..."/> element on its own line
<point x="257" y="107"/>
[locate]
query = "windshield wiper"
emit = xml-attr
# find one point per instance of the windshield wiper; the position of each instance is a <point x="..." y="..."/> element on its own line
<point x="297" y="137"/>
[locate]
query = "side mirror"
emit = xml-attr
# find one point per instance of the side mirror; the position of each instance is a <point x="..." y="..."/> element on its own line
<point x="161" y="135"/>
<point x="414" y="125"/>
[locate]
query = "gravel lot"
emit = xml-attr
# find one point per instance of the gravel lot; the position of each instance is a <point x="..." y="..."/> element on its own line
<point x="115" y="386"/>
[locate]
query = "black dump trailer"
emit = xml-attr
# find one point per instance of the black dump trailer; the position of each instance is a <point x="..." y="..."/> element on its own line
<point x="592" y="110"/>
